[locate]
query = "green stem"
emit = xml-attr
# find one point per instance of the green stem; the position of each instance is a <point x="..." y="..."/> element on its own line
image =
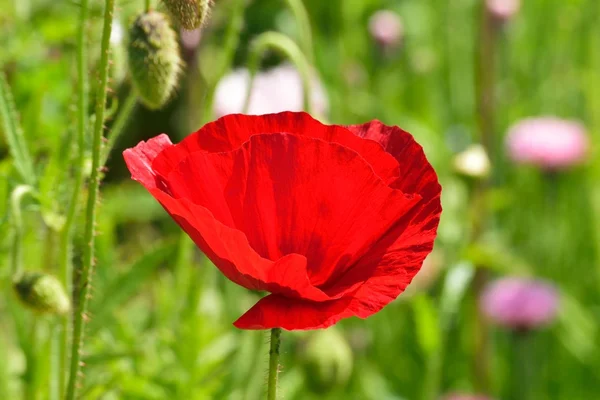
<point x="232" y="39"/>
<point x="485" y="104"/>
<point x="147" y="5"/>
<point x="16" y="198"/>
<point x="305" y="33"/>
<point x="273" y="363"/>
<point x="278" y="42"/>
<point x="67" y="232"/>
<point x="119" y="126"/>
<point x="82" y="292"/>
<point x="521" y="372"/>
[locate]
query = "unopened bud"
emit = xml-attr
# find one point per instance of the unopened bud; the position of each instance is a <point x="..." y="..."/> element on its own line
<point x="191" y="14"/>
<point x="154" y="59"/>
<point x="473" y="162"/>
<point x="42" y="293"/>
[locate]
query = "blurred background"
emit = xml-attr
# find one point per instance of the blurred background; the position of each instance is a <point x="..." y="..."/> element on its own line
<point x="503" y="95"/>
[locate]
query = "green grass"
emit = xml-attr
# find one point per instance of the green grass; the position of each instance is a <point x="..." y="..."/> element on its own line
<point x="160" y="313"/>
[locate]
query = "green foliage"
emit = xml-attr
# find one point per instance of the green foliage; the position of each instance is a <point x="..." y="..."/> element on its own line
<point x="160" y="315"/>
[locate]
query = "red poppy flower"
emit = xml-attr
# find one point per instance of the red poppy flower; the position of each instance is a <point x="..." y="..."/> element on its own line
<point x="333" y="221"/>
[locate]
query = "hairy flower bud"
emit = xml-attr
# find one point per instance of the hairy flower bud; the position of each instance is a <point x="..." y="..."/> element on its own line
<point x="191" y="14"/>
<point x="327" y="359"/>
<point x="154" y="59"/>
<point x="42" y="292"/>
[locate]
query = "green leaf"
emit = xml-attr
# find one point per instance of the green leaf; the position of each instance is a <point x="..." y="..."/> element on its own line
<point x="14" y="134"/>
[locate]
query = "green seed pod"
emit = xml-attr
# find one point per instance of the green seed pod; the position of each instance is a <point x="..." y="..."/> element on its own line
<point x="42" y="293"/>
<point x="327" y="359"/>
<point x="154" y="59"/>
<point x="191" y="14"/>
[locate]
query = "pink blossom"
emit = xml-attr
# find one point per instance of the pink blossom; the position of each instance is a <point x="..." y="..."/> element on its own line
<point x="386" y="28"/>
<point x="520" y="303"/>
<point x="547" y="142"/>
<point x="503" y="9"/>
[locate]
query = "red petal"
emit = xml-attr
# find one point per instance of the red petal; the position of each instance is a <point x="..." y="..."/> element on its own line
<point x="231" y="131"/>
<point x="416" y="173"/>
<point x="139" y="159"/>
<point x="294" y="194"/>
<point x="398" y="255"/>
<point x="227" y="247"/>
<point x="276" y="311"/>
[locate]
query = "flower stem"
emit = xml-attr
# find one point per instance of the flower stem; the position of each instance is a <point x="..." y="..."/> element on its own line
<point x="283" y="44"/>
<point x="67" y="232"/>
<point x="303" y="21"/>
<point x="82" y="291"/>
<point x="17" y="251"/>
<point x="273" y="363"/>
<point x="521" y="378"/>
<point x="485" y="107"/>
<point x="147" y="5"/>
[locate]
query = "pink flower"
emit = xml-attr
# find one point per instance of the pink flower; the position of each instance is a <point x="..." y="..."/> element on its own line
<point x="386" y="28"/>
<point x="519" y="303"/>
<point x="547" y="142"/>
<point x="276" y="90"/>
<point x="503" y="9"/>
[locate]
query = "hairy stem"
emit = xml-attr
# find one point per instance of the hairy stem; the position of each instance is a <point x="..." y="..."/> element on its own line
<point x="82" y="291"/>
<point x="273" y="363"/>
<point x="67" y="232"/>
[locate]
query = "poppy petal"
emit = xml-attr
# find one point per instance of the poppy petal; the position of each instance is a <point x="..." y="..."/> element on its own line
<point x="139" y="159"/>
<point x="295" y="194"/>
<point x="231" y="131"/>
<point x="397" y="257"/>
<point x="275" y="311"/>
<point x="416" y="173"/>
<point x="226" y="247"/>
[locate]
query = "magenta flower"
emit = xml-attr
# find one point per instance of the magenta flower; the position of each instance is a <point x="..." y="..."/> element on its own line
<point x="386" y="28"/>
<point x="519" y="303"/>
<point x="503" y="9"/>
<point x="547" y="142"/>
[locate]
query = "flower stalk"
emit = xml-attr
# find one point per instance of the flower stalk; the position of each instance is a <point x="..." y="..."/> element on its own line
<point x="485" y="107"/>
<point x="283" y="44"/>
<point x="65" y="272"/>
<point x="273" y="363"/>
<point x="82" y="291"/>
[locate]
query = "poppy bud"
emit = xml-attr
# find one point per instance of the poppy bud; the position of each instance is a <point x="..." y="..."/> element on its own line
<point x="191" y="14"/>
<point x="473" y="162"/>
<point x="42" y="293"/>
<point x="327" y="360"/>
<point x="154" y="59"/>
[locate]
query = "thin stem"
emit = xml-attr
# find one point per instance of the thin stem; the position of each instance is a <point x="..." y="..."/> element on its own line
<point x="119" y="125"/>
<point x="278" y="42"/>
<point x="81" y="294"/>
<point x="16" y="198"/>
<point x="273" y="363"/>
<point x="147" y="5"/>
<point x="485" y="104"/>
<point x="67" y="232"/>
<point x="232" y="39"/>
<point x="305" y="33"/>
<point x="522" y="378"/>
